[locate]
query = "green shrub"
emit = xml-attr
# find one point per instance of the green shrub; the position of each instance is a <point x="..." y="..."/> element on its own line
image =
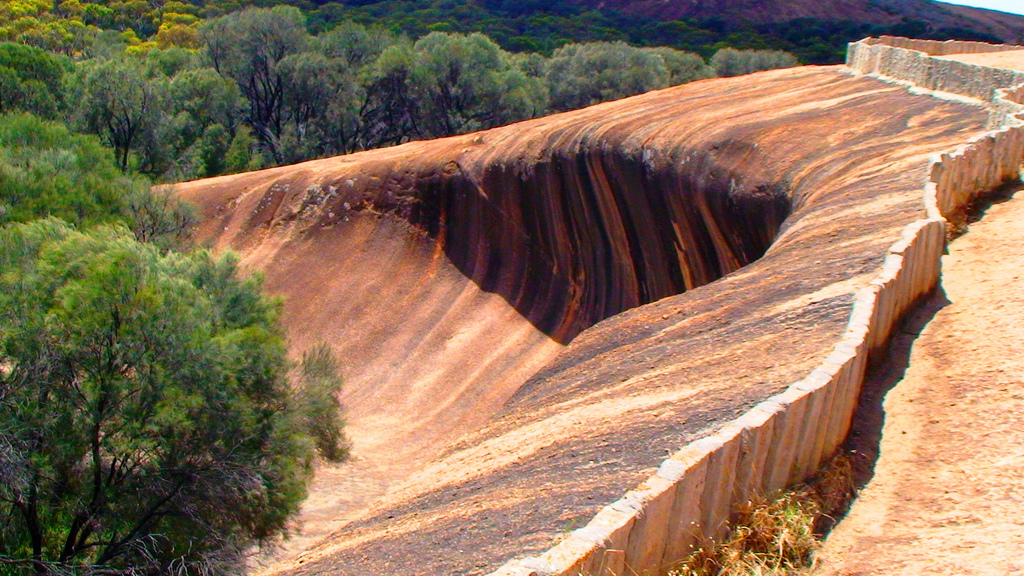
<point x="147" y="425"/>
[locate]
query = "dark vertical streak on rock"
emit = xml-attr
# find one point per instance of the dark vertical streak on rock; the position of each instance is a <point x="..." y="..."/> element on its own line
<point x="587" y="233"/>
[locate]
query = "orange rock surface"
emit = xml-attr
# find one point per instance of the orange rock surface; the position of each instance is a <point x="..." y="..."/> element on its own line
<point x="529" y="317"/>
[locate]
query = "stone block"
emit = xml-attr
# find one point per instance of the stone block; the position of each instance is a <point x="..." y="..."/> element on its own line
<point x="647" y="539"/>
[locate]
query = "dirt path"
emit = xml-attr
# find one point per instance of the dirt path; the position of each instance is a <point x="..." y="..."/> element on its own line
<point x="947" y="496"/>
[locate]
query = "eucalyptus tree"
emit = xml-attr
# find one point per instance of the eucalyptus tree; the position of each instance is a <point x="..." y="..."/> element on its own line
<point x="682" y="66"/>
<point x="147" y="425"/>
<point x="358" y="45"/>
<point x="320" y="103"/>
<point x="30" y="80"/>
<point x="390" y="109"/>
<point x="732" y="62"/>
<point x="248" y="47"/>
<point x="464" y="83"/>
<point x="584" y="74"/>
<point x="47" y="170"/>
<point x="204" y="110"/>
<point x="116" y="101"/>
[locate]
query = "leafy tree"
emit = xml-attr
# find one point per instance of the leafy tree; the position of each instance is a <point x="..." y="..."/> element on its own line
<point x="203" y="107"/>
<point x="45" y="170"/>
<point x="243" y="153"/>
<point x="731" y="62"/>
<point x="320" y="104"/>
<point x="352" y="52"/>
<point x="461" y="85"/>
<point x="532" y="64"/>
<point x="526" y="94"/>
<point x="34" y="22"/>
<point x="205" y="96"/>
<point x="358" y="45"/>
<point x="162" y="115"/>
<point x="390" y="111"/>
<point x="30" y="80"/>
<point x="169" y="62"/>
<point x="146" y="422"/>
<point x="157" y="217"/>
<point x="682" y="66"/>
<point x="471" y="84"/>
<point x="117" y="102"/>
<point x="109" y="44"/>
<point x="583" y="74"/>
<point x="248" y="47"/>
<point x="316" y="397"/>
<point x="178" y="29"/>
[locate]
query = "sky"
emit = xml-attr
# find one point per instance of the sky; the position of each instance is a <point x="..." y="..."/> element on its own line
<point x="1012" y="6"/>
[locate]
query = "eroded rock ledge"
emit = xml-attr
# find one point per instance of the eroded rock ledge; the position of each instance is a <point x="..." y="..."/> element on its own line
<point x="570" y="220"/>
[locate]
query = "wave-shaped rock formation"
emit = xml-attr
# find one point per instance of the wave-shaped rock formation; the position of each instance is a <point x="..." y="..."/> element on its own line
<point x="534" y="316"/>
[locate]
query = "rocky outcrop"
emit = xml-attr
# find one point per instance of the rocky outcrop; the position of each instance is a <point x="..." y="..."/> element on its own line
<point x="782" y="440"/>
<point x="566" y="222"/>
<point x="447" y="273"/>
<point x="585" y="230"/>
<point x="570" y="227"/>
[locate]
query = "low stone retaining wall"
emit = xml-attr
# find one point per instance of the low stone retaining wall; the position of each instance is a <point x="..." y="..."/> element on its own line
<point x="938" y="48"/>
<point x="911" y="61"/>
<point x="1014" y="95"/>
<point x="979" y="166"/>
<point x="784" y="439"/>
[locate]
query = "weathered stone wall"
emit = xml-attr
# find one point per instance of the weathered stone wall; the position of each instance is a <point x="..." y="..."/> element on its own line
<point x="979" y="166"/>
<point x="785" y="438"/>
<point x="1015" y="95"/>
<point x="938" y="48"/>
<point x="911" y="61"/>
<point x="958" y="175"/>
<point x="1009" y="104"/>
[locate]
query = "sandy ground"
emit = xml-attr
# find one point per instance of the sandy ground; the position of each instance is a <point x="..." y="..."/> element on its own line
<point x="947" y="496"/>
<point x="1013" y="59"/>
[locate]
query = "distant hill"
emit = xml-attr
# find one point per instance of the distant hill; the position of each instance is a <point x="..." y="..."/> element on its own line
<point x="940" y="18"/>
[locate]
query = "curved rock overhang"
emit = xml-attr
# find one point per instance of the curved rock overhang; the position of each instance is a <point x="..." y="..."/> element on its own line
<point x="803" y="176"/>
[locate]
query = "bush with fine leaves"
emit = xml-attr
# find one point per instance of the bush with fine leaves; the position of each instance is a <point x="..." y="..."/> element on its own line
<point x="585" y="74"/>
<point x="146" y="422"/>
<point x="732" y="62"/>
<point x="46" y="170"/>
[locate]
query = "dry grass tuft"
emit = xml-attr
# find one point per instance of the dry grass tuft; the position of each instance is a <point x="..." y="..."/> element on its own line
<point x="770" y="537"/>
<point x="779" y="534"/>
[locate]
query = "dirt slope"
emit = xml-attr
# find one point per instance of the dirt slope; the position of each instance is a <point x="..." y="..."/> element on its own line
<point x="947" y="496"/>
<point x="447" y="272"/>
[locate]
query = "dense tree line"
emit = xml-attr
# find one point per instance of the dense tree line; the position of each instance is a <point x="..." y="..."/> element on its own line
<point x="257" y="89"/>
<point x="70" y="26"/>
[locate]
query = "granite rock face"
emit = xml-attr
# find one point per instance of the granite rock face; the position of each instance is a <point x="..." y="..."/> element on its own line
<point x="586" y="228"/>
<point x="532" y="317"/>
